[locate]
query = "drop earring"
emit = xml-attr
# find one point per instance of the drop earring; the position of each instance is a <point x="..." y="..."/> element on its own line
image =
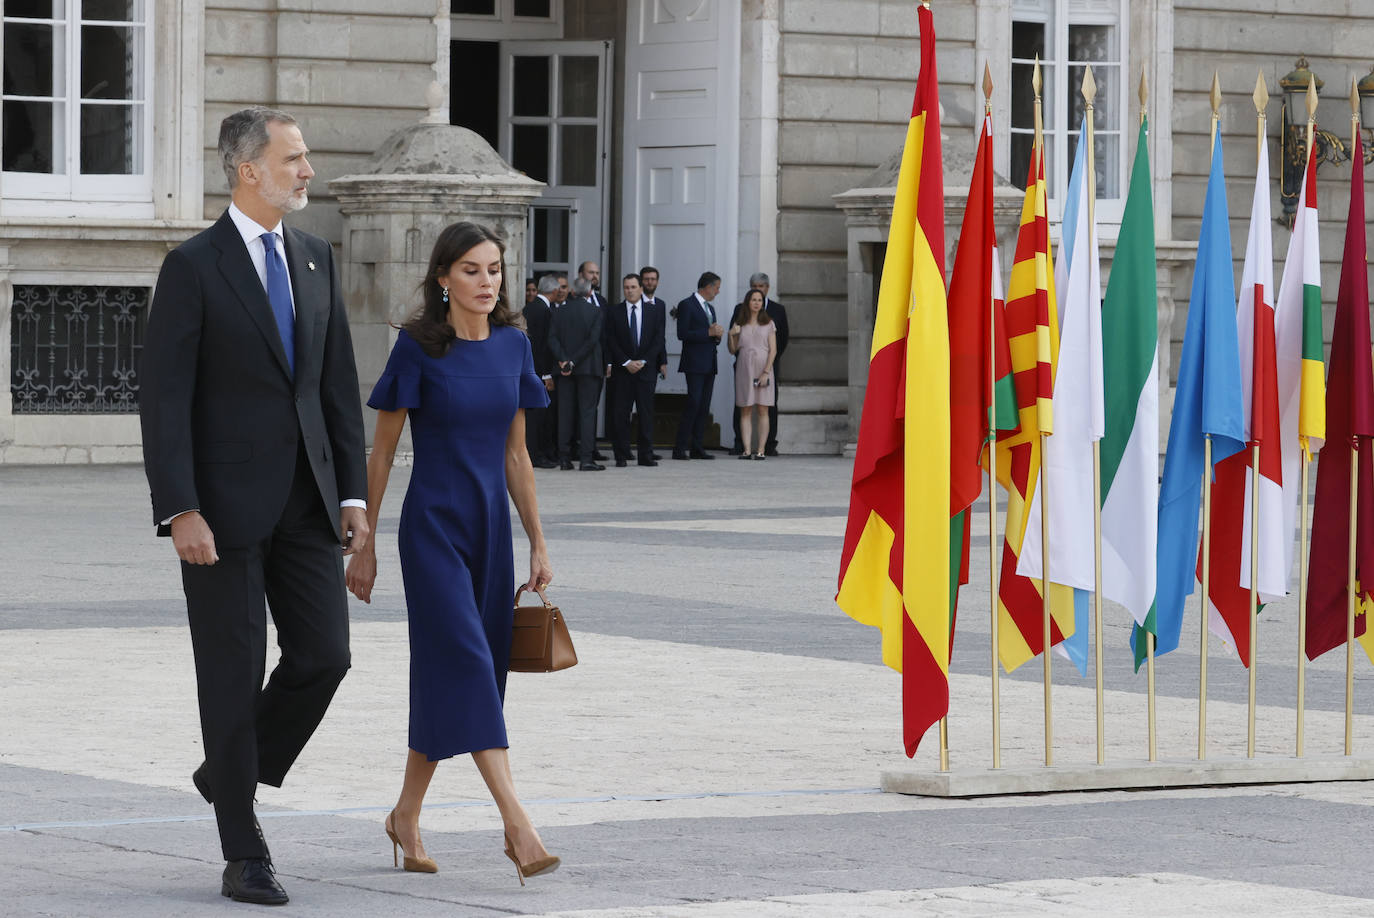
<point x="445" y="296"/>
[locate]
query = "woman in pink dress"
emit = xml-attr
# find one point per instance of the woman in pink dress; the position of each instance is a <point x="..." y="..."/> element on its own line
<point x="754" y="342"/>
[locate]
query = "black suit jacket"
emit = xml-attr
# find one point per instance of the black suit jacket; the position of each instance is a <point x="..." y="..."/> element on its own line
<point x="698" y="347"/>
<point x="620" y="347"/>
<point x="575" y="334"/>
<point x="538" y="318"/>
<point x="222" y="416"/>
<point x="778" y="312"/>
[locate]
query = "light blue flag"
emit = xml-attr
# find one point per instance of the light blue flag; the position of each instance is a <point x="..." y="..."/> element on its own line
<point x="1206" y="401"/>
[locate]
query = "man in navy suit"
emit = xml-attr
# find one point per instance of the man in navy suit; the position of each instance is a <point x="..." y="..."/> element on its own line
<point x="636" y="349"/>
<point x="253" y="447"/>
<point x="700" y="332"/>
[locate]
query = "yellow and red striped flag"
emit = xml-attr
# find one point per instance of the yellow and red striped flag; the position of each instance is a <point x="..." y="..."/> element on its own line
<point x="894" y="568"/>
<point x="1033" y="331"/>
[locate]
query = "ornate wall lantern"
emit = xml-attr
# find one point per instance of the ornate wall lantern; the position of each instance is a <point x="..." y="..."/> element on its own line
<point x="1327" y="147"/>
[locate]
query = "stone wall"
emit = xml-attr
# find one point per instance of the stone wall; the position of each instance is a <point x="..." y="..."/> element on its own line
<point x="1238" y="39"/>
<point x="847" y="75"/>
<point x="352" y="71"/>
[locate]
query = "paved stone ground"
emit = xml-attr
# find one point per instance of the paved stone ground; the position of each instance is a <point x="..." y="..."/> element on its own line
<point x="716" y="753"/>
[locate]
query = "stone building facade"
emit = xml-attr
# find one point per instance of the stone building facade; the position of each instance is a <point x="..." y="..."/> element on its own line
<point x="690" y="134"/>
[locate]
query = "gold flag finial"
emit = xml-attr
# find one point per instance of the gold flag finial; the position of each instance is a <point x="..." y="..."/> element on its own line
<point x="1216" y="94"/>
<point x="1035" y="77"/>
<point x="1089" y="85"/>
<point x="1144" y="92"/>
<point x="1354" y="100"/>
<point x="987" y="82"/>
<point x="1261" y="95"/>
<point x="1311" y="97"/>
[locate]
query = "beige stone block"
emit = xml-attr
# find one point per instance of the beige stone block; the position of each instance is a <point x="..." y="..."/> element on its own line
<point x="19" y="454"/>
<point x="892" y="59"/>
<point x="835" y="17"/>
<point x="418" y="8"/>
<point x="813" y="186"/>
<point x="816" y="316"/>
<point x="820" y="143"/>
<point x="239" y="80"/>
<point x="116" y="455"/>
<point x="239" y="5"/>
<point x="237" y="33"/>
<point x="813" y="55"/>
<point x="824" y="358"/>
<point x="818" y="99"/>
<point x="356" y="38"/>
<point x="365" y="84"/>
<point x="823" y="275"/>
<point x="811" y="231"/>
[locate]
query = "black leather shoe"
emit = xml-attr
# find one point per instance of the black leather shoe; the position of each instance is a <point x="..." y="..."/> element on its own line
<point x="592" y="467"/>
<point x="649" y="462"/>
<point x="545" y="464"/>
<point x="565" y="465"/>
<point x="252" y="880"/>
<point x="678" y="454"/>
<point x="597" y="455"/>
<point x="771" y="451"/>
<point x="621" y="463"/>
<point x="701" y="454"/>
<point x="201" y="778"/>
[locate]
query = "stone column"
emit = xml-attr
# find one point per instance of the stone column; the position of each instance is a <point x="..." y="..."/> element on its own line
<point x="423" y="178"/>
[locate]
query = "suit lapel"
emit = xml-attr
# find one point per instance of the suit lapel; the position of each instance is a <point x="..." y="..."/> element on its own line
<point x="238" y="271"/>
<point x="308" y="286"/>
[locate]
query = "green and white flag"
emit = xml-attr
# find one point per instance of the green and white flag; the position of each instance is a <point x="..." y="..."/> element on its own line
<point x="1130" y="446"/>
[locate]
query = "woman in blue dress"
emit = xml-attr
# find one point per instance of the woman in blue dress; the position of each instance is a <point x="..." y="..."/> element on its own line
<point x="462" y="370"/>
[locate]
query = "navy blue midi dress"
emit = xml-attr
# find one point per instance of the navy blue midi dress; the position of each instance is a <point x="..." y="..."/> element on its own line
<point x="455" y="536"/>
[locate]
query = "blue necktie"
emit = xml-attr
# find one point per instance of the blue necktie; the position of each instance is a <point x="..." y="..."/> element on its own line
<point x="279" y="295"/>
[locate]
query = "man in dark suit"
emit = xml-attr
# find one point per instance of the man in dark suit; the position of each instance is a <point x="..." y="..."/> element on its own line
<point x="700" y="332"/>
<point x="539" y="422"/>
<point x="253" y="447"/>
<point x="648" y="278"/>
<point x="575" y="342"/>
<point x="590" y="271"/>
<point x="636" y="349"/>
<point x="778" y="312"/>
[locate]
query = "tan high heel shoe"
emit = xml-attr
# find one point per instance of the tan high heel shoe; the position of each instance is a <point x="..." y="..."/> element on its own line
<point x="413" y="864"/>
<point x="546" y="864"/>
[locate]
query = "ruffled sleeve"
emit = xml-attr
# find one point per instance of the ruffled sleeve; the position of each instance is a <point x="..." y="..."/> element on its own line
<point x="532" y="391"/>
<point x="399" y="385"/>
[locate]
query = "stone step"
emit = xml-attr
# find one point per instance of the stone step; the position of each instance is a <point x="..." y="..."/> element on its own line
<point x="821" y="360"/>
<point x="814" y="434"/>
<point x="806" y="398"/>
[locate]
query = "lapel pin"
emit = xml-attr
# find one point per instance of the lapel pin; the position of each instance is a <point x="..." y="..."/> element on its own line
<point x="310" y="265"/>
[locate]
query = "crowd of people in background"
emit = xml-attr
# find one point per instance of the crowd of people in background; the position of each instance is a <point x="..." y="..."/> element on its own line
<point x="582" y="343"/>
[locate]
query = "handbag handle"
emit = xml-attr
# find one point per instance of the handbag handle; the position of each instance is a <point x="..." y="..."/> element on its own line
<point x="520" y="592"/>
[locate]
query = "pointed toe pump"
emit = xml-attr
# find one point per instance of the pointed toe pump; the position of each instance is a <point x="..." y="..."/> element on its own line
<point x="412" y="864"/>
<point x="547" y="864"/>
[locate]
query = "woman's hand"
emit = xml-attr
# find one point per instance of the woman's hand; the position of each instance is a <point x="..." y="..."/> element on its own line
<point x="541" y="574"/>
<point x="362" y="573"/>
<point x="736" y="329"/>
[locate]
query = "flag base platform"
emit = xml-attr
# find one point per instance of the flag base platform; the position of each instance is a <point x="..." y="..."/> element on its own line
<point x="1138" y="775"/>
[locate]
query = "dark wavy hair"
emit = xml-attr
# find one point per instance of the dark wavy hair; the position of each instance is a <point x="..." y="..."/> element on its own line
<point x="742" y="310"/>
<point x="428" y="325"/>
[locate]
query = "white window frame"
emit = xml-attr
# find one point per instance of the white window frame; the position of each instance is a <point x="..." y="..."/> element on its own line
<point x="73" y="193"/>
<point x="1067" y="13"/>
<point x="504" y="24"/>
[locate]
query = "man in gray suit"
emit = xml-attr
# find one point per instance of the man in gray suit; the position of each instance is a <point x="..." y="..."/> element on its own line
<point x="575" y="342"/>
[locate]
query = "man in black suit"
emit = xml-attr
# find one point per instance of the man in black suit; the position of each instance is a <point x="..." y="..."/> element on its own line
<point x="700" y="332"/>
<point x="539" y="423"/>
<point x="253" y="447"/>
<point x="575" y="342"/>
<point x="778" y="312"/>
<point x="590" y="271"/>
<point x="636" y="349"/>
<point x="648" y="276"/>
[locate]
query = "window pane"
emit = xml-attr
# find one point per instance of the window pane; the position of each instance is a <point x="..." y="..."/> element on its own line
<point x="1028" y="40"/>
<point x="36" y="9"/>
<point x="535" y="9"/>
<point x="1020" y="158"/>
<point x="472" y="63"/>
<point x="113" y="10"/>
<point x="577" y="154"/>
<point x="1106" y="103"/>
<point x="33" y="138"/>
<point x="111" y="62"/>
<point x="34" y="60"/>
<point x="550" y="234"/>
<point x="110" y="139"/>
<point x="579" y="93"/>
<point x="530" y="150"/>
<point x="1093" y="43"/>
<point x="1106" y="162"/>
<point x="474" y="7"/>
<point x="530" y="92"/>
<point x="1023" y="96"/>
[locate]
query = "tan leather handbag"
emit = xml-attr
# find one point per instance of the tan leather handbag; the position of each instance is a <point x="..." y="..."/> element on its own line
<point x="540" y="642"/>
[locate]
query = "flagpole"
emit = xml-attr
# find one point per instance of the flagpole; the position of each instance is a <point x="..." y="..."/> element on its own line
<point x="1354" y="496"/>
<point x="1261" y="97"/>
<point x="1038" y="150"/>
<point x="1089" y="93"/>
<point x="1206" y="509"/>
<point x="1149" y="635"/>
<point x="1302" y="497"/>
<point x="992" y="479"/>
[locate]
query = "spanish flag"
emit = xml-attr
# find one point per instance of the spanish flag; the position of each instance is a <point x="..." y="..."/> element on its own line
<point x="894" y="569"/>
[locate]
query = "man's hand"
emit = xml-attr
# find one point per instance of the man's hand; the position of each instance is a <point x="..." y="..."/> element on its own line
<point x="634" y="366"/>
<point x="565" y="367"/>
<point x="548" y="384"/>
<point x="354" y="532"/>
<point x="663" y="371"/>
<point x="193" y="540"/>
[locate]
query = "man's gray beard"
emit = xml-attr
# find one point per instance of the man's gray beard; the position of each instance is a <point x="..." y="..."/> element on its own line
<point x="282" y="198"/>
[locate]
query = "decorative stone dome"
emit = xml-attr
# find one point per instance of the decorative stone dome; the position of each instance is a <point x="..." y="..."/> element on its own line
<point x="437" y="149"/>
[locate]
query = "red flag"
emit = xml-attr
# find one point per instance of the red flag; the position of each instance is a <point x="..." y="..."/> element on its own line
<point x="1349" y="424"/>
